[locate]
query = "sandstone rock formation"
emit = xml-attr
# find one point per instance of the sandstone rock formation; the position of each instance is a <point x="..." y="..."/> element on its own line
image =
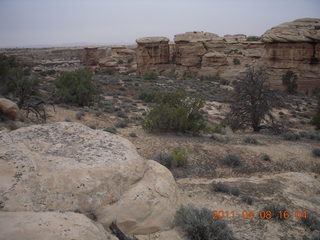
<point x="152" y="54"/>
<point x="9" y="109"/>
<point x="294" y="46"/>
<point x="300" y="30"/>
<point x="50" y="226"/>
<point x="70" y="167"/>
<point x="91" y="56"/>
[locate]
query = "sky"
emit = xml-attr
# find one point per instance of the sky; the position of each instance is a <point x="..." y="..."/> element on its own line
<point x="36" y="23"/>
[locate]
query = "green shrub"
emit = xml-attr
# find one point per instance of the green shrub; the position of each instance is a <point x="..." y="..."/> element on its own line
<point x="180" y="156"/>
<point x="316" y="152"/>
<point x="316" y="118"/>
<point x="16" y="80"/>
<point x="224" y="188"/>
<point x="291" y="136"/>
<point x="253" y="38"/>
<point x="290" y="81"/>
<point x="198" y="224"/>
<point x="250" y="140"/>
<point x="76" y="87"/>
<point x="122" y="123"/>
<point x="177" y="158"/>
<point x="132" y="134"/>
<point x="150" y="76"/>
<point x="164" y="159"/>
<point x="22" y="84"/>
<point x="232" y="160"/>
<point x="219" y="128"/>
<point x="111" y="130"/>
<point x="265" y="157"/>
<point x="147" y="95"/>
<point x="236" y="61"/>
<point x="175" y="112"/>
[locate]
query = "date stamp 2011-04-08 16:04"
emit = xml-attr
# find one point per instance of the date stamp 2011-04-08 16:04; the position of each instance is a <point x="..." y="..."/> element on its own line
<point x="263" y="214"/>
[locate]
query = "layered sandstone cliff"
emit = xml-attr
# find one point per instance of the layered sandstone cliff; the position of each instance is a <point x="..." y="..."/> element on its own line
<point x="294" y="46"/>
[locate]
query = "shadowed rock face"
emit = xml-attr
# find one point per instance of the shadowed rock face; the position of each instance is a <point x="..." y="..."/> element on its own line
<point x="70" y="167"/>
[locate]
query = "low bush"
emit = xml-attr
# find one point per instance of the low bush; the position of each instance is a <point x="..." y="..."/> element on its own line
<point x="265" y="157"/>
<point x="175" y="112"/>
<point x="289" y="79"/>
<point x="275" y="210"/>
<point x="291" y="136"/>
<point x="316" y="152"/>
<point x="177" y="158"/>
<point x="236" y="61"/>
<point x="224" y="188"/>
<point x="232" y="160"/>
<point x="250" y="140"/>
<point x="253" y="38"/>
<point x="198" y="224"/>
<point x="180" y="156"/>
<point x="132" y="134"/>
<point x="311" y="221"/>
<point x="122" y="123"/>
<point x="147" y="95"/>
<point x="164" y="159"/>
<point x="76" y="87"/>
<point x="79" y="115"/>
<point x="111" y="130"/>
<point x="150" y="76"/>
<point x="316" y="119"/>
<point x="247" y="199"/>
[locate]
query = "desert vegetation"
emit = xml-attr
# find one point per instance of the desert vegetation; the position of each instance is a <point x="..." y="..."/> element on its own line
<point x="229" y="145"/>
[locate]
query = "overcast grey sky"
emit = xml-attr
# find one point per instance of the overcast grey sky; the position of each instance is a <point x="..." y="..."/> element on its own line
<point x="56" y="22"/>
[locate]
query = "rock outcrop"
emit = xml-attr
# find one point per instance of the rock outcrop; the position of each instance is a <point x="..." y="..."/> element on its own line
<point x="91" y="56"/>
<point x="153" y="53"/>
<point x="294" y="46"/>
<point x="50" y="226"/>
<point x="70" y="167"/>
<point x="9" y="109"/>
<point x="300" y="30"/>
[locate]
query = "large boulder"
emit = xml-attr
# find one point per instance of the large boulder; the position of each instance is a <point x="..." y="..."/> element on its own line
<point x="9" y="109"/>
<point x="50" y="226"/>
<point x="300" y="30"/>
<point x="70" y="167"/>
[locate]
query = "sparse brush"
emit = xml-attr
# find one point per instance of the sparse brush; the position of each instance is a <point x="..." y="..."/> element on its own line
<point x="110" y="130"/>
<point x="224" y="188"/>
<point x="275" y="210"/>
<point x="311" y="221"/>
<point x="232" y="160"/>
<point x="164" y="159"/>
<point x="247" y="199"/>
<point x="316" y="152"/>
<point x="291" y="136"/>
<point x="79" y="115"/>
<point x="265" y="157"/>
<point x="122" y="124"/>
<point x="250" y="140"/>
<point x="132" y="134"/>
<point x="198" y="224"/>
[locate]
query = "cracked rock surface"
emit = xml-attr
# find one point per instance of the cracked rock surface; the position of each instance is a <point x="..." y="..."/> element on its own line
<point x="71" y="168"/>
